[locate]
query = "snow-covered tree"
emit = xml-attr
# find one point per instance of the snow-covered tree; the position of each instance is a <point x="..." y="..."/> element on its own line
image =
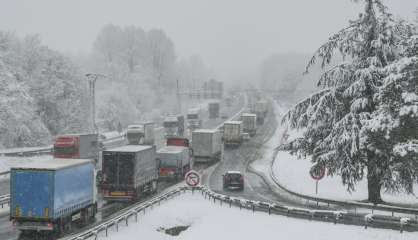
<point x="336" y="119"/>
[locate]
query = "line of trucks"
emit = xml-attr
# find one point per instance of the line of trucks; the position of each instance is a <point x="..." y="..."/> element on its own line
<point x="51" y="196"/>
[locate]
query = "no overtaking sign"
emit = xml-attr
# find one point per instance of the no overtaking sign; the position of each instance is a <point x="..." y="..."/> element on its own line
<point x="192" y="178"/>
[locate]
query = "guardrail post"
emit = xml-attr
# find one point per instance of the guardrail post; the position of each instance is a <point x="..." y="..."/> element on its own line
<point x="106" y="230"/>
<point x="269" y="210"/>
<point x="136" y="216"/>
<point x="253" y="206"/>
<point x="126" y="220"/>
<point x="117" y="226"/>
<point x="230" y="203"/>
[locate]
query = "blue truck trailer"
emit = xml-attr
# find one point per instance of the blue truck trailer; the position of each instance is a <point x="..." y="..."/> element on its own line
<point x="51" y="196"/>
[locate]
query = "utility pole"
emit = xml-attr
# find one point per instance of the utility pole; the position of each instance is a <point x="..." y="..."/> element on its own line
<point x="92" y="77"/>
<point x="178" y="96"/>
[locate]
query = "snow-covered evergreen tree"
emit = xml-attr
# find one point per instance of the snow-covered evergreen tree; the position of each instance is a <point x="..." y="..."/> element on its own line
<point x="337" y="120"/>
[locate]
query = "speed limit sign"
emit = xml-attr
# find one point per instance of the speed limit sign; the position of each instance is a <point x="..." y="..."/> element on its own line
<point x="192" y="178"/>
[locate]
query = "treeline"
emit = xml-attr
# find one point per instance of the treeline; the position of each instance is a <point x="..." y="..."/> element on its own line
<point x="142" y="70"/>
<point x="41" y="93"/>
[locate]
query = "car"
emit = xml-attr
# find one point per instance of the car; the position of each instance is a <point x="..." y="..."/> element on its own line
<point x="233" y="180"/>
<point x="246" y="136"/>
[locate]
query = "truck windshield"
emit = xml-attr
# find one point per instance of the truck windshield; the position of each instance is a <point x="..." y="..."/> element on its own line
<point x="168" y="162"/>
<point x="134" y="136"/>
<point x="170" y="124"/>
<point x="65" y="150"/>
<point x="192" y="116"/>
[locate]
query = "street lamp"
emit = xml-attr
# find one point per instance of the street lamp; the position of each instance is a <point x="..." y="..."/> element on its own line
<point x="92" y="77"/>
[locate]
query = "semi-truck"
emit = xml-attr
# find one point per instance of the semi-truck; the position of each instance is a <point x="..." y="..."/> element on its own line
<point x="171" y="126"/>
<point x="174" y="125"/>
<point x="84" y="145"/>
<point x="213" y="108"/>
<point x="261" y="108"/>
<point x="207" y="145"/>
<point x="174" y="162"/>
<point x="193" y="118"/>
<point x="249" y="123"/>
<point x="141" y="134"/>
<point x="129" y="172"/>
<point x="232" y="135"/>
<point x="50" y="196"/>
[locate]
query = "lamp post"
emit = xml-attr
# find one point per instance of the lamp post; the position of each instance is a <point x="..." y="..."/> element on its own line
<point x="92" y="77"/>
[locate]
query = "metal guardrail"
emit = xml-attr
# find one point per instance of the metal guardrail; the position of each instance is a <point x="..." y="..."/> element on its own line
<point x="4" y="199"/>
<point x="132" y="211"/>
<point x="345" y="204"/>
<point x="46" y="150"/>
<point x="366" y="220"/>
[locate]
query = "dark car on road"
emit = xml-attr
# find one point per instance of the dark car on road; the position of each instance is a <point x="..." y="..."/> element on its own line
<point x="233" y="180"/>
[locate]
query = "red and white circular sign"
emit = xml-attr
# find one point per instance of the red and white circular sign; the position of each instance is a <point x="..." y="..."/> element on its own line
<point x="317" y="172"/>
<point x="192" y="178"/>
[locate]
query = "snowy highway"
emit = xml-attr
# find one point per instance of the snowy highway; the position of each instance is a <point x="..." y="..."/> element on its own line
<point x="8" y="232"/>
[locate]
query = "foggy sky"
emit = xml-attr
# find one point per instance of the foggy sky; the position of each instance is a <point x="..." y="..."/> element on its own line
<point x="231" y="35"/>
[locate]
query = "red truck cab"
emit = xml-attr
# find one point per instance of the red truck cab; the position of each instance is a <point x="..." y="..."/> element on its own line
<point x="67" y="147"/>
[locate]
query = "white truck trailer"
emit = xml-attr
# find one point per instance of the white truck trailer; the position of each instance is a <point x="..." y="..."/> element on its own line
<point x="173" y="162"/>
<point x="206" y="145"/>
<point x="249" y="123"/>
<point x="233" y="132"/>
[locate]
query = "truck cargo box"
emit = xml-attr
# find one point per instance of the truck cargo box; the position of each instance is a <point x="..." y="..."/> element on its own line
<point x="128" y="171"/>
<point x="83" y="145"/>
<point x="233" y="131"/>
<point x="206" y="144"/>
<point x="174" y="161"/>
<point x="249" y="123"/>
<point x="214" y="108"/>
<point x="48" y="190"/>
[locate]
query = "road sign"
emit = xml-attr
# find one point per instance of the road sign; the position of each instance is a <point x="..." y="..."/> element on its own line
<point x="192" y="178"/>
<point x="317" y="172"/>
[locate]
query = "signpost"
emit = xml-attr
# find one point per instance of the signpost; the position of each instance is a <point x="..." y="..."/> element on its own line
<point x="317" y="173"/>
<point x="192" y="178"/>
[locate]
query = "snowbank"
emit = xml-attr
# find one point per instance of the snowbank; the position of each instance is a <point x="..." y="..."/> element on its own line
<point x="208" y="220"/>
<point x="293" y="173"/>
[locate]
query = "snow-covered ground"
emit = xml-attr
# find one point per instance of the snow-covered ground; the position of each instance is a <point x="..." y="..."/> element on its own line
<point x="208" y="220"/>
<point x="293" y="173"/>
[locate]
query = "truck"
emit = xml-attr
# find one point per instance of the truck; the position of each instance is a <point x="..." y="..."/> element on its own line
<point x="249" y="123"/>
<point x="213" y="108"/>
<point x="171" y="126"/>
<point x="51" y="196"/>
<point x="261" y="108"/>
<point x="141" y="133"/>
<point x="174" y="162"/>
<point x="206" y="145"/>
<point x="193" y="118"/>
<point x="83" y="145"/>
<point x="129" y="172"/>
<point x="174" y="125"/>
<point x="232" y="135"/>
